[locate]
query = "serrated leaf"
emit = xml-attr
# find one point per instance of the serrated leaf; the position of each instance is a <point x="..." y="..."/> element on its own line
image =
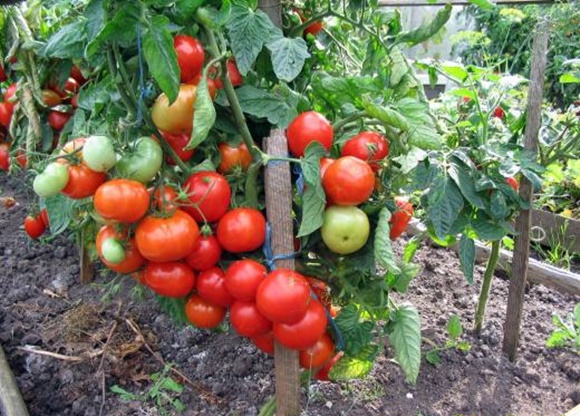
<point x="398" y="66"/>
<point x="161" y="57"/>
<point x="464" y="181"/>
<point x="263" y="104"/>
<point x="487" y="230"/>
<point x="467" y="257"/>
<point x="454" y="327"/>
<point x="384" y="254"/>
<point x="204" y="115"/>
<point x="121" y="28"/>
<point x="405" y="337"/>
<point x="68" y="42"/>
<point x="352" y="367"/>
<point x="288" y="57"/>
<point x="411" y="159"/>
<point x="445" y="203"/>
<point x="60" y="211"/>
<point x="408" y="272"/>
<point x="248" y="31"/>
<point x="425" y="31"/>
<point x="356" y="334"/>
<point x="411" y="248"/>
<point x="432" y="357"/>
<point x="387" y="115"/>
<point x="314" y="198"/>
<point x="421" y="132"/>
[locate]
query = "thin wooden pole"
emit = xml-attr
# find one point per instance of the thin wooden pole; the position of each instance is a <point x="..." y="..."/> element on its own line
<point x="523" y="222"/>
<point x="273" y="8"/>
<point x="11" y="402"/>
<point x="279" y="209"/>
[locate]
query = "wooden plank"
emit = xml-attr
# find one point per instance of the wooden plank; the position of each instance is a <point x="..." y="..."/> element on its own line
<point x="558" y="230"/>
<point x="415" y="3"/>
<point x="538" y="272"/>
<point x="278" y="183"/>
<point x="11" y="402"/>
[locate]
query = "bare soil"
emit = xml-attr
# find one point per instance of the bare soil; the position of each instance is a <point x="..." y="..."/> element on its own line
<point x="94" y="345"/>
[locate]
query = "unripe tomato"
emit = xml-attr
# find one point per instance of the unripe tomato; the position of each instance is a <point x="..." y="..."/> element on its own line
<point x="178" y="117"/>
<point x="190" y="56"/>
<point x="34" y="226"/>
<point x="345" y="229"/>
<point x="132" y="261"/>
<point x="143" y="160"/>
<point x="51" y="181"/>
<point x="284" y="296"/>
<point x="113" y="251"/>
<point x="369" y="146"/>
<point x="203" y="314"/>
<point x="247" y="320"/>
<point x="401" y="218"/>
<point x="348" y="181"/>
<point x="121" y="200"/>
<point x="241" y="230"/>
<point x="99" y="153"/>
<point x="306" y="128"/>
<point x="304" y="333"/>
<point x="171" y="279"/>
<point x="168" y="238"/>
<point x="317" y="355"/>
<point x="208" y="196"/>
<point x="234" y="156"/>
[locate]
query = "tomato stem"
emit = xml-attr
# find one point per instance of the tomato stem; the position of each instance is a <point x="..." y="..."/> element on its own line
<point x="486" y="286"/>
<point x="343" y="122"/>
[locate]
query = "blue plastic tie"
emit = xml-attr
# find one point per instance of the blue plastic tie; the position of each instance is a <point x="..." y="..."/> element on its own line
<point x="335" y="329"/>
<point x="267" y="249"/>
<point x="300" y="180"/>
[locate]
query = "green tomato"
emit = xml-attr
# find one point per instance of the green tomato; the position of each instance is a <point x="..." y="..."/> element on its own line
<point x="99" y="153"/>
<point x="143" y="162"/>
<point x="345" y="229"/>
<point x="51" y="181"/>
<point x="113" y="251"/>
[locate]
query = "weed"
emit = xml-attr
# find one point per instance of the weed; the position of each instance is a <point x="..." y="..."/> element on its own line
<point x="454" y="331"/>
<point x="567" y="332"/>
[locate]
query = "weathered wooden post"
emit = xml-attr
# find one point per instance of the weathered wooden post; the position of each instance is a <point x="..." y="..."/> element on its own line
<point x="523" y="222"/>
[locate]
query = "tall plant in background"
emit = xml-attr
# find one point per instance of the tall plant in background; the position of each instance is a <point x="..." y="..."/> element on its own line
<point x="503" y="41"/>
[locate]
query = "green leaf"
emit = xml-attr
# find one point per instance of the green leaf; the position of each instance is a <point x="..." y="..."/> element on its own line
<point x="577" y="315"/>
<point x="455" y="70"/>
<point x="467" y="257"/>
<point x="288" y="57"/>
<point x="314" y="198"/>
<point x="185" y="9"/>
<point x="432" y="357"/>
<point x="125" y="395"/>
<point x="95" y="17"/>
<point x="422" y="132"/>
<point x="263" y="104"/>
<point x="172" y="385"/>
<point x="464" y="92"/>
<point x="569" y="78"/>
<point x="204" y="115"/>
<point x="401" y="282"/>
<point x="425" y="31"/>
<point x="67" y="43"/>
<point x="161" y="56"/>
<point x="463" y="179"/>
<point x="384" y="254"/>
<point x="356" y="334"/>
<point x="352" y="367"/>
<point x="405" y="337"/>
<point x="411" y="248"/>
<point x="445" y="202"/>
<point x="248" y="31"/>
<point x="483" y="4"/>
<point x="122" y="28"/>
<point x="387" y="115"/>
<point x="454" y="327"/>
<point x="60" y="211"/>
<point x="498" y="207"/>
<point x="399" y="66"/>
<point x="486" y="229"/>
<point x="411" y="159"/>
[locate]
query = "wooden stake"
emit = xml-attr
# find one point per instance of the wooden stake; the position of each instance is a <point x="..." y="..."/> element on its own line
<point x="11" y="402"/>
<point x="523" y="222"/>
<point x="279" y="209"/>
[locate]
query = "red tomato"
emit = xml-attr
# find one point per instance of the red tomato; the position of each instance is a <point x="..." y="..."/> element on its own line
<point x="314" y="29"/>
<point x="325" y="162"/>
<point x="401" y="218"/>
<point x="348" y="181"/>
<point x="323" y="372"/>
<point x="190" y="56"/>
<point x="133" y="259"/>
<point x="264" y="342"/>
<point x="233" y="74"/>
<point x="513" y="183"/>
<point x="176" y="118"/>
<point x="75" y="101"/>
<point x="304" y="333"/>
<point x="241" y="230"/>
<point x="498" y="112"/>
<point x="71" y="86"/>
<point x="284" y="296"/>
<point x="211" y="83"/>
<point x="205" y="254"/>
<point x="50" y="97"/>
<point x="211" y="286"/>
<point x="309" y="127"/>
<point x="317" y="355"/>
<point x="58" y="120"/>
<point x="6" y="111"/>
<point x="82" y="181"/>
<point x="21" y="158"/>
<point x="3" y="76"/>
<point x="209" y="196"/>
<point x="76" y="73"/>
<point x="4" y="156"/>
<point x="10" y="94"/>
<point x="247" y="320"/>
<point x="204" y="314"/>
<point x="122" y="200"/>
<point x="232" y="157"/>
<point x="165" y="198"/>
<point x="34" y="226"/>
<point x="369" y="146"/>
<point x="243" y="277"/>
<point x="44" y="216"/>
<point x="167" y="238"/>
<point x="177" y="143"/>
<point x="171" y="279"/>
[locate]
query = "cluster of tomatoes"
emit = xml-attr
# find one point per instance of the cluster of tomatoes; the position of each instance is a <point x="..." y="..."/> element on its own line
<point x="348" y="181"/>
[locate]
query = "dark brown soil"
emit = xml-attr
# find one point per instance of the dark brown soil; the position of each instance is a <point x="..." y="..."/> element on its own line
<point x="44" y="307"/>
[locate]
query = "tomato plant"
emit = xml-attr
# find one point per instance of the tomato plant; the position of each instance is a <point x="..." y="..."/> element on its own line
<point x="306" y="332"/>
<point x="175" y="117"/>
<point x="211" y="286"/>
<point x="205" y="254"/>
<point x="345" y="229"/>
<point x="369" y="146"/>
<point x="400" y="218"/>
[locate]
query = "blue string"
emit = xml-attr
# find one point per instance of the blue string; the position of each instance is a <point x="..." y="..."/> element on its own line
<point x="267" y="249"/>
<point x="141" y="81"/>
<point x="335" y="329"/>
<point x="274" y="162"/>
<point x="300" y="180"/>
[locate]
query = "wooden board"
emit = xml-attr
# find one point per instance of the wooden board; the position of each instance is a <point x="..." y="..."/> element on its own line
<point x="558" y="229"/>
<point x="538" y="272"/>
<point x="11" y="402"/>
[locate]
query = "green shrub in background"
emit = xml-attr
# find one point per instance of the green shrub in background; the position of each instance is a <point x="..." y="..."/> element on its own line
<point x="503" y="39"/>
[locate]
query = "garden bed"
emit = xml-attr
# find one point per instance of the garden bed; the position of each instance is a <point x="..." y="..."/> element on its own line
<point x="41" y="293"/>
